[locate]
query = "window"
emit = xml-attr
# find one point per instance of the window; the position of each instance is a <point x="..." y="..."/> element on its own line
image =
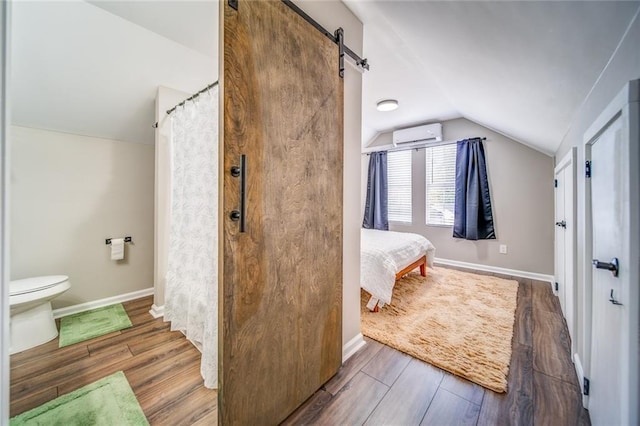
<point x="440" y="184"/>
<point x="399" y="185"/>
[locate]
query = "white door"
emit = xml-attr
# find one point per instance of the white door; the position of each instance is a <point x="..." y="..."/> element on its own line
<point x="607" y="219"/>
<point x="561" y="225"/>
<point x="613" y="398"/>
<point x="565" y="239"/>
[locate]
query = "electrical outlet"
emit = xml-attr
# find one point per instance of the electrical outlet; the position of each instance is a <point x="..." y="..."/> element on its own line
<point x="503" y="249"/>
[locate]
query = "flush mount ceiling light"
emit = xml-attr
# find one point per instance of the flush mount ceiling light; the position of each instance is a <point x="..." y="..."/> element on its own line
<point x="387" y="105"/>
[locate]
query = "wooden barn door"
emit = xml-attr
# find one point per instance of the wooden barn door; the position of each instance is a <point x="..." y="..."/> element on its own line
<point x="281" y="210"/>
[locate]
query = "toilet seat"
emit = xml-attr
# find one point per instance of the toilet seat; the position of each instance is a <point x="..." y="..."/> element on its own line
<point x="30" y="285"/>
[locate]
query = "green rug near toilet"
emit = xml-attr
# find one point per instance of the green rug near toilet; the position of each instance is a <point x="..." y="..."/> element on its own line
<point x="96" y="322"/>
<point x="109" y="401"/>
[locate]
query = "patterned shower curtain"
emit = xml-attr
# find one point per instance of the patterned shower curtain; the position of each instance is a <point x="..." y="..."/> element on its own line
<point x="191" y="296"/>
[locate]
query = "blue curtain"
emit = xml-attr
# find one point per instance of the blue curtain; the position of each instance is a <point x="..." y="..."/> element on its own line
<point x="473" y="219"/>
<point x="376" y="212"/>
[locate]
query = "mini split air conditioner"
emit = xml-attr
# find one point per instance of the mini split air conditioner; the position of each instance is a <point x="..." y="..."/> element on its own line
<point x="418" y="135"/>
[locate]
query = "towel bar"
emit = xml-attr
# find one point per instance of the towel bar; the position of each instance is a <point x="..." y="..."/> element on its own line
<point x="126" y="240"/>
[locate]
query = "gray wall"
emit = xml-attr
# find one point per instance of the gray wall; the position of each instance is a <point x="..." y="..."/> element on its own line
<point x="521" y="182"/>
<point x="69" y="193"/>
<point x="623" y="67"/>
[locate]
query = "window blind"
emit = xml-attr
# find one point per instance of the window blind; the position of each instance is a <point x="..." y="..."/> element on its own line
<point x="399" y="185"/>
<point x="440" y="184"/>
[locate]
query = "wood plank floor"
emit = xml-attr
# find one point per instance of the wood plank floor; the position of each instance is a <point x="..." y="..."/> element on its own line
<point x="162" y="367"/>
<point x="377" y="385"/>
<point x="381" y="386"/>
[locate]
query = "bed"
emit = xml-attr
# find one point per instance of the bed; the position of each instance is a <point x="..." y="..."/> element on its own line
<point x="385" y="256"/>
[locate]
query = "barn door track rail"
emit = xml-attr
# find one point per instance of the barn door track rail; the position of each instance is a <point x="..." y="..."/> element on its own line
<point x="337" y="37"/>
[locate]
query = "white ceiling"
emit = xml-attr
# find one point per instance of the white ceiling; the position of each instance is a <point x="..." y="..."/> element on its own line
<point x="520" y="68"/>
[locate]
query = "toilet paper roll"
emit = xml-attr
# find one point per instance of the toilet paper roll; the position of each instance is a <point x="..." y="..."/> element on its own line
<point x="117" y="248"/>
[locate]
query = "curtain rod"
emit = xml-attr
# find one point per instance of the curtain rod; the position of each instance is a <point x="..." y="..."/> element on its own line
<point x="190" y="98"/>
<point x="426" y="145"/>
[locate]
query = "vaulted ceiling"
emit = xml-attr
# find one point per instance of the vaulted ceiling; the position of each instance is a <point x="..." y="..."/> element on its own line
<point x="522" y="68"/>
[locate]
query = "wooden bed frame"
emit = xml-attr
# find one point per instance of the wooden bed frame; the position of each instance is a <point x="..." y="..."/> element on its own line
<point x="422" y="263"/>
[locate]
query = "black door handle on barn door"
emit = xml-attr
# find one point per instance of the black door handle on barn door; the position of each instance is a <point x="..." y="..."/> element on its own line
<point x="241" y="172"/>
<point x="562" y="224"/>
<point x="613" y="266"/>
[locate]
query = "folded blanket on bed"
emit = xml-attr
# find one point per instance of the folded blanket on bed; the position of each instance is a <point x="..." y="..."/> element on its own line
<point x="385" y="253"/>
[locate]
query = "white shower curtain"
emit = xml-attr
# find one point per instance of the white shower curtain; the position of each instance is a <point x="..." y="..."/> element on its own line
<point x="191" y="298"/>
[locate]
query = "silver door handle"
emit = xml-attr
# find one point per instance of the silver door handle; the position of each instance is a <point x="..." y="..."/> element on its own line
<point x="613" y="266"/>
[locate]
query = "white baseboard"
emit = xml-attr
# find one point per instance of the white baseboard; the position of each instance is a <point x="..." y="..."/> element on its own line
<point x="157" y="311"/>
<point x="352" y="346"/>
<point x="69" y="310"/>
<point x="580" y="373"/>
<point x="514" y="272"/>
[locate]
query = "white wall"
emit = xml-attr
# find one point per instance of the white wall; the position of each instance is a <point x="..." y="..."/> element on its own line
<point x="521" y="185"/>
<point x="80" y="69"/>
<point x="68" y="194"/>
<point x="331" y="15"/>
<point x="623" y="67"/>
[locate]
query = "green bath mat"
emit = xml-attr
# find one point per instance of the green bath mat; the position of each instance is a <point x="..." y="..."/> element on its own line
<point x="96" y="322"/>
<point x="109" y="401"/>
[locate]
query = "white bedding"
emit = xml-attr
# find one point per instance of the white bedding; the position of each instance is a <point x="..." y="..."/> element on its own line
<point x="385" y="253"/>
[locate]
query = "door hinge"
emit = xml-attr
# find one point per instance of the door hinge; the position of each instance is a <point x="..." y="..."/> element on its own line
<point x="556" y="286"/>
<point x="585" y="386"/>
<point x="233" y="4"/>
<point x="587" y="168"/>
<point x="555" y="183"/>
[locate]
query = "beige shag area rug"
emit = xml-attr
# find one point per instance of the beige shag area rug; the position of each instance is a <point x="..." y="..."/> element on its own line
<point x="457" y="321"/>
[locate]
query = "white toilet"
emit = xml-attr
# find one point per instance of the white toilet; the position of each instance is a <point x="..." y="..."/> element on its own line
<point x="32" y="322"/>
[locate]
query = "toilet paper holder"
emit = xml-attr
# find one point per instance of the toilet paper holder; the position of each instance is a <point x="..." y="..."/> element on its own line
<point x="126" y="240"/>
